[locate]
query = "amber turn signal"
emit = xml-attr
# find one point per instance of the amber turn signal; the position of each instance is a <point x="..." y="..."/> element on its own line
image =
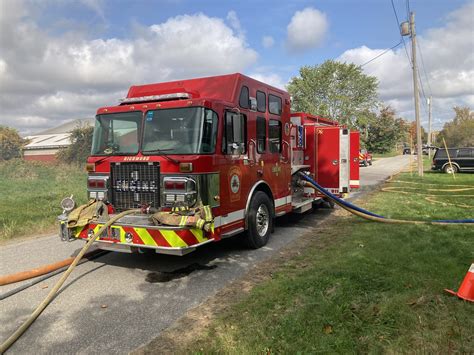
<point x="185" y="167"/>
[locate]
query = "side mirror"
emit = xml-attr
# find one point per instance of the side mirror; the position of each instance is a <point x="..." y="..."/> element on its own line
<point x="253" y="103"/>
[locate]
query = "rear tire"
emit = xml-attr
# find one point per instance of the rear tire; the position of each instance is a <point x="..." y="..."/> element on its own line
<point x="447" y="169"/>
<point x="260" y="221"/>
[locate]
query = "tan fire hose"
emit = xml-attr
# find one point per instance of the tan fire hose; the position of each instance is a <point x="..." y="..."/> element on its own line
<point x="45" y="269"/>
<point x="14" y="337"/>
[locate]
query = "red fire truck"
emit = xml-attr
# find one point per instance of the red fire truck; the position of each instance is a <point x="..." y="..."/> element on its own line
<point x="228" y="142"/>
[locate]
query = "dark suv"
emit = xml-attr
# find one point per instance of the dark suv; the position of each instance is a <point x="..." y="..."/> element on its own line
<point x="462" y="159"/>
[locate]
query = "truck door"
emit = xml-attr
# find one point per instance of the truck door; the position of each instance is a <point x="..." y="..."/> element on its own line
<point x="354" y="157"/>
<point x="327" y="157"/>
<point x="333" y="154"/>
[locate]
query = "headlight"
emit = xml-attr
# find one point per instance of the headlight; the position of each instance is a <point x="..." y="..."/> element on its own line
<point x="68" y="204"/>
<point x="179" y="189"/>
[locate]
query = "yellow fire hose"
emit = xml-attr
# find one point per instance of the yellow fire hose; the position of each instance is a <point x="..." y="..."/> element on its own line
<point x="431" y="197"/>
<point x="14" y="337"/>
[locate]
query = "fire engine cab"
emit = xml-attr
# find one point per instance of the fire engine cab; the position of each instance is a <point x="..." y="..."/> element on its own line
<point x="229" y="143"/>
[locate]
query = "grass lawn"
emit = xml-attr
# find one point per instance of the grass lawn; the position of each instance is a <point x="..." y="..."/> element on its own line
<point x="392" y="153"/>
<point x="31" y="193"/>
<point x="362" y="286"/>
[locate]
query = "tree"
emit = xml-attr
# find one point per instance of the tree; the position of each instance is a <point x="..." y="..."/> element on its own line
<point x="80" y="147"/>
<point x="386" y="131"/>
<point x="339" y="91"/>
<point x="460" y="131"/>
<point x="11" y="144"/>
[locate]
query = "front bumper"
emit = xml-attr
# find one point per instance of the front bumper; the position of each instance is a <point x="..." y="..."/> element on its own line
<point x="133" y="233"/>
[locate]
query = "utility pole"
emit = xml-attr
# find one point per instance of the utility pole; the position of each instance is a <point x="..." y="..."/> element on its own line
<point x="429" y="127"/>
<point x="417" y="95"/>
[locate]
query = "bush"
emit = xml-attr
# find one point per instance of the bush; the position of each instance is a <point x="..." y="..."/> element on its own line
<point x="11" y="144"/>
<point x="80" y="148"/>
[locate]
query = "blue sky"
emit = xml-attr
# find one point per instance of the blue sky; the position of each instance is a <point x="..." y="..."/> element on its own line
<point x="64" y="58"/>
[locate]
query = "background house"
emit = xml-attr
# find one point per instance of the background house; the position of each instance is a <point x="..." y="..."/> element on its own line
<point x="44" y="145"/>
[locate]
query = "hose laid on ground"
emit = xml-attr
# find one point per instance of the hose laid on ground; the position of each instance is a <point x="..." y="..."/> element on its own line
<point x="14" y="337"/>
<point x="46" y="269"/>
<point x="372" y="216"/>
<point x="432" y="198"/>
<point x="50" y="274"/>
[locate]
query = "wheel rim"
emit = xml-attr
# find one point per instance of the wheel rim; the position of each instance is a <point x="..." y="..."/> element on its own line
<point x="263" y="220"/>
<point x="449" y="170"/>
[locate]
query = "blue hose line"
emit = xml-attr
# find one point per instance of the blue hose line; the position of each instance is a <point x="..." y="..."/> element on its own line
<point x="470" y="220"/>
<point x="340" y="200"/>
<point x="361" y="210"/>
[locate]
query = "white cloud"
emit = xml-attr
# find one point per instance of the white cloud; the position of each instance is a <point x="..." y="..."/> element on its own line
<point x="306" y="29"/>
<point x="234" y="21"/>
<point x="68" y="76"/>
<point x="268" y="41"/>
<point x="449" y="58"/>
<point x="270" y="79"/>
<point x="96" y="6"/>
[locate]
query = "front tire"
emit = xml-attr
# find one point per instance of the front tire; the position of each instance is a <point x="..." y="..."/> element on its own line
<point x="260" y="221"/>
<point x="448" y="170"/>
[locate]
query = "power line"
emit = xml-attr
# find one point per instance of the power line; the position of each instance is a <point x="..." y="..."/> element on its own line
<point x="381" y="54"/>
<point x="424" y="66"/>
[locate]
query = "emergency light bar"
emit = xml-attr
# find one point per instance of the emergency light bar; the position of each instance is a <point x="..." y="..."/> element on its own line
<point x="178" y="95"/>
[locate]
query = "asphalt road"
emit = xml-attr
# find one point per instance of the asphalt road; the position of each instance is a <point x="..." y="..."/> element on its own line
<point x="108" y="306"/>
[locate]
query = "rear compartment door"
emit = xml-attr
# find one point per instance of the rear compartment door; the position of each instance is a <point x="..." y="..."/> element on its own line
<point x="354" y="157"/>
<point x="327" y="157"/>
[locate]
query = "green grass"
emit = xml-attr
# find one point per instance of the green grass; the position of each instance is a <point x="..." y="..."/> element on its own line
<point x="363" y="286"/>
<point x="392" y="153"/>
<point x="31" y="193"/>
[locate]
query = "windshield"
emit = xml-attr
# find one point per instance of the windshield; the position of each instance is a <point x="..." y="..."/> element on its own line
<point x="190" y="130"/>
<point x="116" y="133"/>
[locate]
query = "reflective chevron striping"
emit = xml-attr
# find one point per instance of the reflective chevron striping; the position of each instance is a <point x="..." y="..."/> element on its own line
<point x="158" y="238"/>
<point x="146" y="237"/>
<point x="199" y="235"/>
<point x="173" y="239"/>
<point x="154" y="237"/>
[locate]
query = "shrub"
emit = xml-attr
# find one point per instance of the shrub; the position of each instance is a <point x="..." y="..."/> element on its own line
<point x="11" y="144"/>
<point x="80" y="147"/>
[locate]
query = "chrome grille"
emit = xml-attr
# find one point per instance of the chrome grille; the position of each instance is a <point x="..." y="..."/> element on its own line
<point x="134" y="184"/>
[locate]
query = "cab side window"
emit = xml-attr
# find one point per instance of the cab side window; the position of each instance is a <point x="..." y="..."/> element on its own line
<point x="235" y="131"/>
<point x="261" y="134"/>
<point x="274" y="104"/>
<point x="261" y="101"/>
<point x="244" y="97"/>
<point x="274" y="136"/>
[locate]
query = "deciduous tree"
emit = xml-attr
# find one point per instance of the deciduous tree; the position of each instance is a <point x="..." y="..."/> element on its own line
<point x="339" y="91"/>
<point x="80" y="147"/>
<point x="386" y="131"/>
<point x="460" y="131"/>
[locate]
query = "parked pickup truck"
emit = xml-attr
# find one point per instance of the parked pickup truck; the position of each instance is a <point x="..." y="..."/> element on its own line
<point x="365" y="158"/>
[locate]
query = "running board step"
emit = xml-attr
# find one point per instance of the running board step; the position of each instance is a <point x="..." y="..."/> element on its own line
<point x="301" y="207"/>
